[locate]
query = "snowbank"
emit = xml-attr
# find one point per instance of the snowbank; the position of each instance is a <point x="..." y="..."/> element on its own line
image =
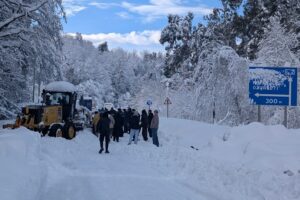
<point x="20" y="168"/>
<point x="195" y="161"/>
<point x="255" y="145"/>
<point x="244" y="162"/>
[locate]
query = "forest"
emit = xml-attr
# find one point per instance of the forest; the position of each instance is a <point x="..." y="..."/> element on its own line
<point x="204" y="63"/>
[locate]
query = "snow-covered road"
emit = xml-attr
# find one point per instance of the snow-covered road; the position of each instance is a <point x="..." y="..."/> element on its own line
<point x="245" y="162"/>
<point x="76" y="171"/>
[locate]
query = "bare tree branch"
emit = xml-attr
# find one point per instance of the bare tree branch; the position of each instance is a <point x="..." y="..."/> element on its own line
<point x="11" y="32"/>
<point x="19" y="15"/>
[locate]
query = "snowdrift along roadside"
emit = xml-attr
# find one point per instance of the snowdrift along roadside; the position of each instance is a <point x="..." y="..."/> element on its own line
<point x="20" y="167"/>
<point x="245" y="162"/>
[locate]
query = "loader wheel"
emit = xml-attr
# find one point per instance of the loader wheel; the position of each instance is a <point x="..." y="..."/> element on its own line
<point x="56" y="130"/>
<point x="44" y="131"/>
<point x="69" y="131"/>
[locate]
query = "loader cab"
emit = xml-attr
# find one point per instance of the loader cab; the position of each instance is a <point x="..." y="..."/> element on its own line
<point x="61" y="94"/>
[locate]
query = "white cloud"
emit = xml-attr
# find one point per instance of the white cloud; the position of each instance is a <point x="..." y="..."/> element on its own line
<point x="165" y="2"/>
<point x="160" y="8"/>
<point x="73" y="6"/>
<point x="149" y="11"/>
<point x="124" y="15"/>
<point x="103" y="5"/>
<point x="135" y="38"/>
<point x="72" y="10"/>
<point x="146" y="40"/>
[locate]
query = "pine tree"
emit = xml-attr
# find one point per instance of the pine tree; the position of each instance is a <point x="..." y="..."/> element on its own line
<point x="103" y="47"/>
<point x="177" y="36"/>
<point x="256" y="20"/>
<point x="223" y="22"/>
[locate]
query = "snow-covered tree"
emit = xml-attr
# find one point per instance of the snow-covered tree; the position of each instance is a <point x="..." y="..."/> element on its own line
<point x="276" y="50"/>
<point x="267" y="32"/>
<point x="223" y="22"/>
<point x="176" y="37"/>
<point x="113" y="72"/>
<point x="83" y="66"/>
<point x="256" y="20"/>
<point x="29" y="45"/>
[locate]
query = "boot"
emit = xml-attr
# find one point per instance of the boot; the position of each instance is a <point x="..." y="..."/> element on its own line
<point x="106" y="147"/>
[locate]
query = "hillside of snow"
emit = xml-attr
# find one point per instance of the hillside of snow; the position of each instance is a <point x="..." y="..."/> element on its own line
<point x="252" y="162"/>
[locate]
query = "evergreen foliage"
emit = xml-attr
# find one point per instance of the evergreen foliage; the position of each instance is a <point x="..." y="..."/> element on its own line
<point x="214" y="68"/>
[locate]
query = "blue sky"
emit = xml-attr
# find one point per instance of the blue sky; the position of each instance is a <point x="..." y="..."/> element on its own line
<point x="134" y="25"/>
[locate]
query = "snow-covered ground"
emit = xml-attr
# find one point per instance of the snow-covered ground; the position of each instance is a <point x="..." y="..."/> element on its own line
<point x="246" y="162"/>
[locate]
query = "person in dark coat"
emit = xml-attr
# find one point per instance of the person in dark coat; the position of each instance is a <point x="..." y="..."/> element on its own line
<point x="133" y="111"/>
<point x="150" y="117"/>
<point x="127" y="119"/>
<point x="121" y="131"/>
<point x="117" y="127"/>
<point x="112" y="111"/>
<point x="103" y="128"/>
<point x="144" y="125"/>
<point x="134" y="127"/>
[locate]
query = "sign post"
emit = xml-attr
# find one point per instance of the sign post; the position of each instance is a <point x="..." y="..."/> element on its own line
<point x="285" y="120"/>
<point x="149" y="103"/>
<point x="273" y="86"/>
<point x="259" y="113"/>
<point x="167" y="102"/>
<point x="214" y="113"/>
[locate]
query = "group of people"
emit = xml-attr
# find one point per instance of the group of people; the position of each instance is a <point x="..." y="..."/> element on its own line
<point x="114" y="123"/>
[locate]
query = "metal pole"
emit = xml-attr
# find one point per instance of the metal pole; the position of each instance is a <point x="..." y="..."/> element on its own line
<point x="285" y="120"/>
<point x="39" y="90"/>
<point x="167" y="110"/>
<point x="33" y="89"/>
<point x="213" y="112"/>
<point x="259" y="114"/>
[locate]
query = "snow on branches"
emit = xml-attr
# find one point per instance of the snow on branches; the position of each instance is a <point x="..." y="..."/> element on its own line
<point x="29" y="46"/>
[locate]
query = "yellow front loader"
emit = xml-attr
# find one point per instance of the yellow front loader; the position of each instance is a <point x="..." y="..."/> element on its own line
<point x="55" y="116"/>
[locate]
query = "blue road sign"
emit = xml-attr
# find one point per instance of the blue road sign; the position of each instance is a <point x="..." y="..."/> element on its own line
<point x="273" y="86"/>
<point x="149" y="102"/>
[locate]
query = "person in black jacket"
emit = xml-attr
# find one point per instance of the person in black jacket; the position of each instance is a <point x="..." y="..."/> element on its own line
<point x="134" y="127"/>
<point x="121" y="122"/>
<point x="103" y="128"/>
<point x="128" y="115"/>
<point x="125" y="121"/>
<point x="150" y="117"/>
<point x="144" y="125"/>
<point x="117" y="127"/>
